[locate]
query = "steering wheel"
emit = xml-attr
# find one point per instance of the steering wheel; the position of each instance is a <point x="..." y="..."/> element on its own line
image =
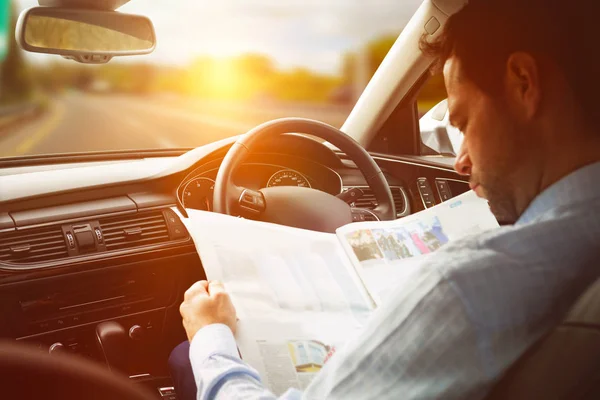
<point x="32" y="374"/>
<point x="297" y="206"/>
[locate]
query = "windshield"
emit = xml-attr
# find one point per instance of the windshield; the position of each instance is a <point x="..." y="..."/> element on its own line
<point x="219" y="69"/>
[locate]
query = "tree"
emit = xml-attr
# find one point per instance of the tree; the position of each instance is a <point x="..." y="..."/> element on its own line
<point x="432" y="92"/>
<point x="376" y="51"/>
<point x="15" y="76"/>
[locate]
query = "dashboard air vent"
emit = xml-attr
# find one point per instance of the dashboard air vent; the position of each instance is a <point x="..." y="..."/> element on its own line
<point x="33" y="245"/>
<point x="129" y="231"/>
<point x="368" y="200"/>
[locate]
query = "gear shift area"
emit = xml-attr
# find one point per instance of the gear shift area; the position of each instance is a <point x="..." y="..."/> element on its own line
<point x="114" y="345"/>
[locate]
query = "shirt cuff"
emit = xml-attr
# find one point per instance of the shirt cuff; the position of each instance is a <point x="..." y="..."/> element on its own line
<point x="212" y="340"/>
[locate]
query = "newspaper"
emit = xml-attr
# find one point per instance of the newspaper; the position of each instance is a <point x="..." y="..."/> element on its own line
<point x="300" y="294"/>
<point x="383" y="252"/>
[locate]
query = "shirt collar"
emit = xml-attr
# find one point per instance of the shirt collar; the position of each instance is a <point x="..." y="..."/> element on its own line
<point x="578" y="186"/>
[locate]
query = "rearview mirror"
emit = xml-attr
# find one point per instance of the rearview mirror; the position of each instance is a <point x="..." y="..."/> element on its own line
<point x="87" y="36"/>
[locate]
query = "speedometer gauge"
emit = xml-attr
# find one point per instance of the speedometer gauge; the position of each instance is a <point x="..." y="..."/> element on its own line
<point x="198" y="194"/>
<point x="288" y="177"/>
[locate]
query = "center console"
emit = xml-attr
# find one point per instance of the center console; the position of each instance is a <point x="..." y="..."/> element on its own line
<point x="92" y="298"/>
<point x="78" y="314"/>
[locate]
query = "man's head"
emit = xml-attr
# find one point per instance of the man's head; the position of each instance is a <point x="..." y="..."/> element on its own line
<point x="522" y="80"/>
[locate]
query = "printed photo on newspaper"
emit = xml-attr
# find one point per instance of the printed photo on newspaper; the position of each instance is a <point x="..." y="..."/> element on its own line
<point x="300" y="294"/>
<point x="379" y="249"/>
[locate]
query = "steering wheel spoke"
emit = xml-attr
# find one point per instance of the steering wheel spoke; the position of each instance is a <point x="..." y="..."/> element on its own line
<point x="351" y="195"/>
<point x="251" y="201"/>
<point x="363" y="215"/>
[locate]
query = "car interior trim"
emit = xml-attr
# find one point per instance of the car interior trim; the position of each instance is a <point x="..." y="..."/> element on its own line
<point x="405" y="211"/>
<point x="41" y="216"/>
<point x="416" y="164"/>
<point x="197" y="172"/>
<point x="99" y="256"/>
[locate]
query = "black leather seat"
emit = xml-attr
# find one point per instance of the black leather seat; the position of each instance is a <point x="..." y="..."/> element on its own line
<point x="565" y="364"/>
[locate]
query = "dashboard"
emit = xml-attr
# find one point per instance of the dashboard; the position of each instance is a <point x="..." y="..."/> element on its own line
<point x="66" y="213"/>
<point x="196" y="189"/>
<point x="85" y="241"/>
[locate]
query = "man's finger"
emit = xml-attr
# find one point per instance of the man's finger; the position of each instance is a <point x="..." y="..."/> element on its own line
<point x="200" y="287"/>
<point x="216" y="287"/>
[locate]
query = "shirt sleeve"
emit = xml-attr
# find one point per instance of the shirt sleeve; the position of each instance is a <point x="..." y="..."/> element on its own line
<point x="419" y="344"/>
<point x="221" y="374"/>
<point x="439" y="336"/>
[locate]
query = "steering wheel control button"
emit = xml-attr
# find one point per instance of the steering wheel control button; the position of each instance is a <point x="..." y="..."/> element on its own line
<point x="252" y="200"/>
<point x="351" y="195"/>
<point x="362" y="215"/>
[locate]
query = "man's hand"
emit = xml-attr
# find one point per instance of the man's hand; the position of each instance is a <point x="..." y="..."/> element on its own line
<point x="206" y="303"/>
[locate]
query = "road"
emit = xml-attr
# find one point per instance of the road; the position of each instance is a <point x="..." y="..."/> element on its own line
<point x="78" y="122"/>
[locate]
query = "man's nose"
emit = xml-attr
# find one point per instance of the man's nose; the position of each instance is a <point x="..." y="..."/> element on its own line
<point x="462" y="164"/>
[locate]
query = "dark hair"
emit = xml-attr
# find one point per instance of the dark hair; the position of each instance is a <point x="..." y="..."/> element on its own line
<point x="565" y="32"/>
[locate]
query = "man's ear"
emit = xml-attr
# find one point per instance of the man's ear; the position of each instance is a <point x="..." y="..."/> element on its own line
<point x="523" y="84"/>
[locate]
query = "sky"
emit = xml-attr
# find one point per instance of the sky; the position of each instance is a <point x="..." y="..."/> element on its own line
<point x="295" y="33"/>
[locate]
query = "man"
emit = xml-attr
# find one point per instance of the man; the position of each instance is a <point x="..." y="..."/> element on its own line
<point x="522" y="86"/>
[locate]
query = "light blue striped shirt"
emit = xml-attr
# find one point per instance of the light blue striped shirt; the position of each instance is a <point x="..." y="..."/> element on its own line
<point x="454" y="327"/>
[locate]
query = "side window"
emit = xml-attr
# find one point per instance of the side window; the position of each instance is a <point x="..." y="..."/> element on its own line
<point x="432" y="92"/>
<point x="437" y="136"/>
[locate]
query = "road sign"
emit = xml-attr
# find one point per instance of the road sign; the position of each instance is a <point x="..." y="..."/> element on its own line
<point x="4" y="28"/>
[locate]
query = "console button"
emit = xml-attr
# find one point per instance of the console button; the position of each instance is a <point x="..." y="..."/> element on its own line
<point x="443" y="189"/>
<point x="99" y="236"/>
<point x="425" y="192"/>
<point x="84" y="236"/>
<point x="57" y="348"/>
<point x="178" y="231"/>
<point x="175" y="226"/>
<point x="70" y="240"/>
<point x="136" y="332"/>
<point x="167" y="393"/>
<point x="42" y="326"/>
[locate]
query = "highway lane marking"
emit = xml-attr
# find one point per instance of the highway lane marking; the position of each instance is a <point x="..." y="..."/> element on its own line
<point x="44" y="130"/>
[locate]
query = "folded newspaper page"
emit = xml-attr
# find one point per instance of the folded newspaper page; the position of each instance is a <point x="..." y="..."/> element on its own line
<point x="383" y="252"/>
<point x="301" y="294"/>
<point x="296" y="293"/>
